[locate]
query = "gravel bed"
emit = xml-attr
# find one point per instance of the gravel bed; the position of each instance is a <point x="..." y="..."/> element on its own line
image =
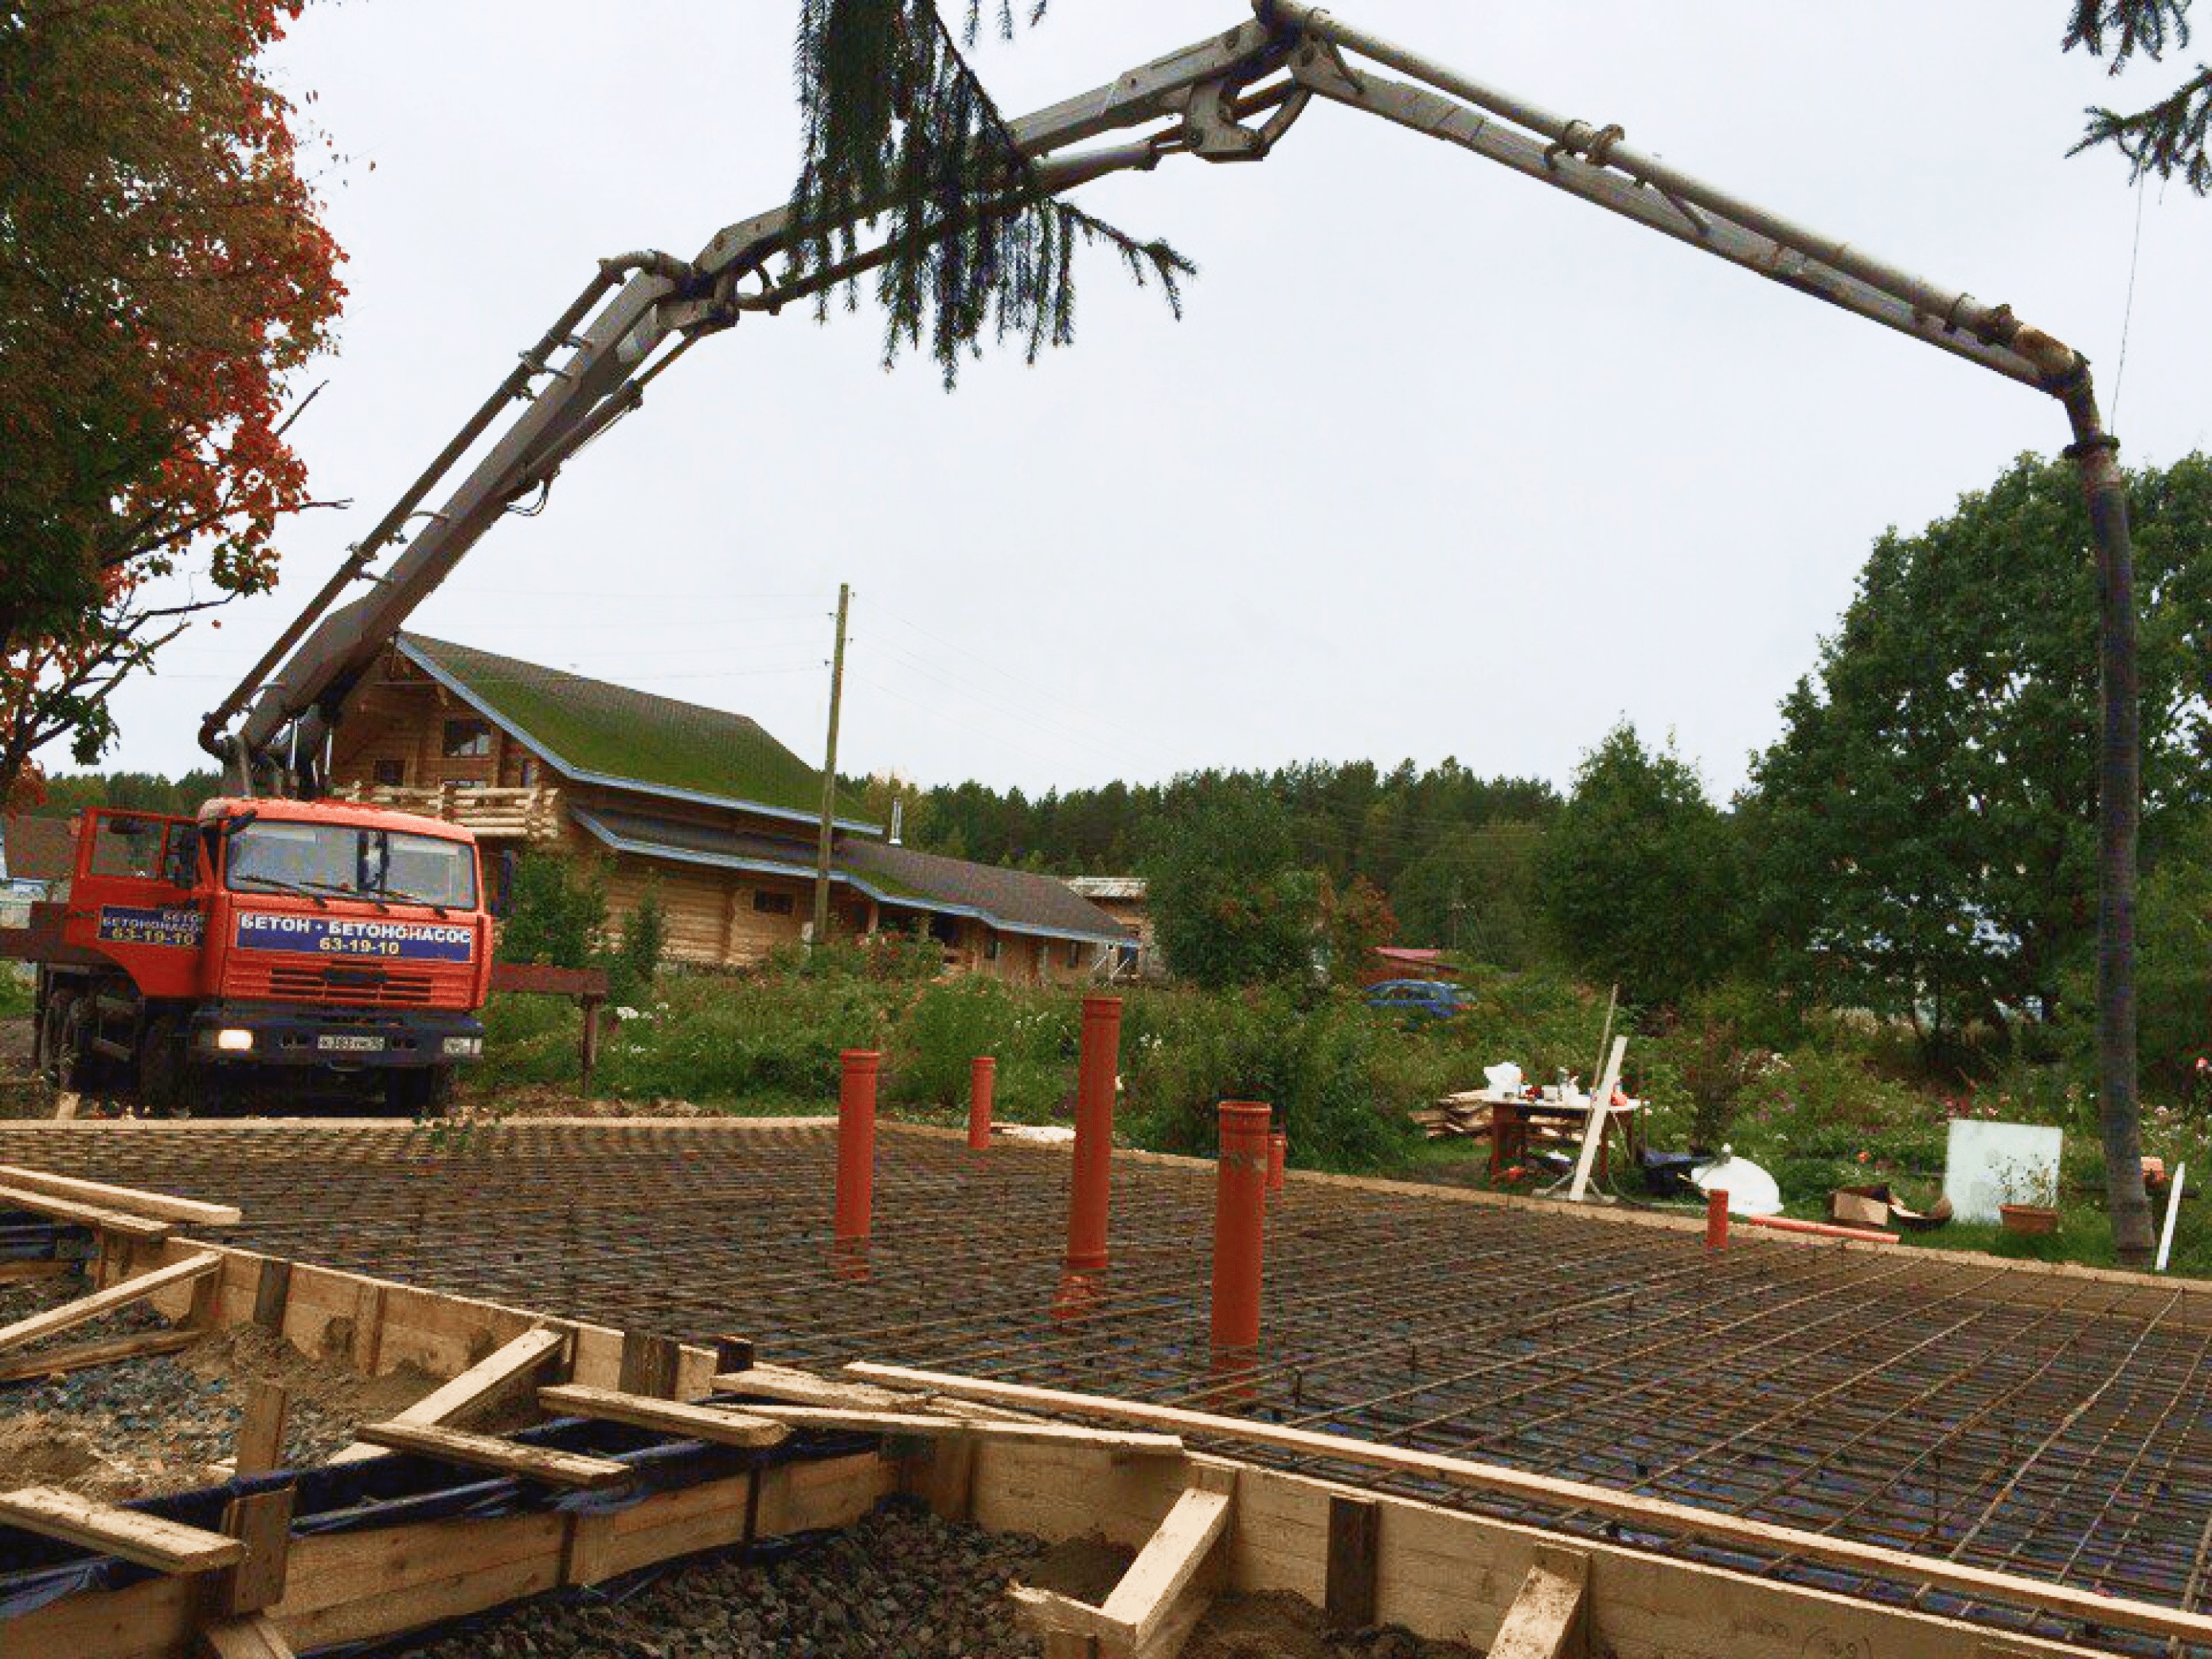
<point x="900" y="1584"/>
<point x="144" y="1426"/>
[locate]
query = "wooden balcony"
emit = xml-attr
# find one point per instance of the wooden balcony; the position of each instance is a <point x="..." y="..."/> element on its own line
<point x="532" y="813"/>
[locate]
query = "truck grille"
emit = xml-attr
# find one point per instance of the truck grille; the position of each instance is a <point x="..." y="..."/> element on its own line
<point x="341" y="987"/>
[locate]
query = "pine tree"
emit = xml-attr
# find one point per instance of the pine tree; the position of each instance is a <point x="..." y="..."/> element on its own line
<point x="899" y="132"/>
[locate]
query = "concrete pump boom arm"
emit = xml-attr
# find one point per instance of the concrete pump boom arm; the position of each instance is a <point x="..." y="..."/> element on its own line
<point x="646" y="309"/>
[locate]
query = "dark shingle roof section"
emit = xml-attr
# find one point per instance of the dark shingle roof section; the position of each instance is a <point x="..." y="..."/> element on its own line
<point x="1013" y="900"/>
<point x="1020" y="898"/>
<point x="39" y="850"/>
<point x="592" y="728"/>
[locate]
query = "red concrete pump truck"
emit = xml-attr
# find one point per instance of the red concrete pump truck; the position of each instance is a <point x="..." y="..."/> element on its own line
<point x="333" y="948"/>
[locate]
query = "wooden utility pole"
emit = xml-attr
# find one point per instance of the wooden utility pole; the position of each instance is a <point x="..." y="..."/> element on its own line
<point x="830" y="776"/>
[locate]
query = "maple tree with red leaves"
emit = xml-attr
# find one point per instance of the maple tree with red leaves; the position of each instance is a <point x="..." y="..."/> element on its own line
<point x="163" y="273"/>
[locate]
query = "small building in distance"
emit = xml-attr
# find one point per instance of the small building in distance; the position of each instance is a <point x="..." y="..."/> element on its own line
<point x="703" y="804"/>
<point x="1123" y="897"/>
<point x="36" y="857"/>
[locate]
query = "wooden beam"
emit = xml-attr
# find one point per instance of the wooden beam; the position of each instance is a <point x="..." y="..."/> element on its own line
<point x="251" y="1637"/>
<point x="1661" y="1514"/>
<point x="980" y="1428"/>
<point x="18" y="1272"/>
<point x="85" y="1215"/>
<point x="799" y="1388"/>
<point x="1150" y="1590"/>
<point x="1546" y="1620"/>
<point x="59" y="1362"/>
<point x="1354" y="1532"/>
<point x="132" y="1201"/>
<point x="262" y="1521"/>
<point x="485" y="1451"/>
<point x="146" y="1539"/>
<point x="86" y="1309"/>
<point x="260" y="1440"/>
<point x="502" y="1369"/>
<point x="717" y="1424"/>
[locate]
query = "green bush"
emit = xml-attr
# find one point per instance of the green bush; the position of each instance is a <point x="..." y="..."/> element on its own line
<point x="556" y="910"/>
<point x="634" y="963"/>
<point x="1032" y="1034"/>
<point x="18" y="992"/>
<point x="1326" y="1069"/>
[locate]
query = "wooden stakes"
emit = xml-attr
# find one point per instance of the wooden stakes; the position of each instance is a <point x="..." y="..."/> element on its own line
<point x="505" y="1370"/>
<point x="261" y="1430"/>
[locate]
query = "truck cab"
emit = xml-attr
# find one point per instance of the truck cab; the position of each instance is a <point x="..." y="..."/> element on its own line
<point x="319" y="947"/>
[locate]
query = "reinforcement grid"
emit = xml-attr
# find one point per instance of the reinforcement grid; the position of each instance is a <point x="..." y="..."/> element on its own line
<point x="2046" y="1425"/>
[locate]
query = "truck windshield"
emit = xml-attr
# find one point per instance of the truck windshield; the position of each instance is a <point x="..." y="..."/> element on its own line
<point x="272" y="857"/>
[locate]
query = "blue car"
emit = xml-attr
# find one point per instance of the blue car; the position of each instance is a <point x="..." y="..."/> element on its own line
<point x="1438" y="999"/>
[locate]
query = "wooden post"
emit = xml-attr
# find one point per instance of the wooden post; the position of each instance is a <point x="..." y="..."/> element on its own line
<point x="590" y="1055"/>
<point x="830" y="777"/>
<point x="1354" y="1530"/>
<point x="261" y="1430"/>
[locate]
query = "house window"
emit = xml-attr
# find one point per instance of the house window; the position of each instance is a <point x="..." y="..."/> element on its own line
<point x="467" y="739"/>
<point x="529" y="772"/>
<point x="771" y="904"/>
<point x="391" y="774"/>
<point x="990" y="946"/>
<point x="1075" y="953"/>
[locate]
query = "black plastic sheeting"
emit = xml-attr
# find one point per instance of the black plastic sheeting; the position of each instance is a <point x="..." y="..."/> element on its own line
<point x="399" y="1489"/>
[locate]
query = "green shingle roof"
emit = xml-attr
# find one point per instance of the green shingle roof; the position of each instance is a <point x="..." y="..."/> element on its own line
<point x="590" y="729"/>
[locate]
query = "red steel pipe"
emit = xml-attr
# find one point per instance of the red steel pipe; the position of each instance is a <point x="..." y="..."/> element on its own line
<point x="1783" y="1223"/>
<point x="1240" y="1209"/>
<point x="1094" y="1133"/>
<point x="856" y="1144"/>
<point x="1279" y="1151"/>
<point x="1717" y="1220"/>
<point x="983" y="1079"/>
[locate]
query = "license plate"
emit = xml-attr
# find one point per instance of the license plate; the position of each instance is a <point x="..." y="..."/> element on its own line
<point x="343" y="1043"/>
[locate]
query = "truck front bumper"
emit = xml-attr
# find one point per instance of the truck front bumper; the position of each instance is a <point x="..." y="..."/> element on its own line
<point x="280" y="1034"/>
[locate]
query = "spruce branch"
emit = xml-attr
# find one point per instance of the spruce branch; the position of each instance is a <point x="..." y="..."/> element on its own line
<point x="899" y="131"/>
<point x="2170" y="136"/>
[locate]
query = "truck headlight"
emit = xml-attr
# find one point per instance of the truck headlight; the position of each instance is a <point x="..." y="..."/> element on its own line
<point x="463" y="1047"/>
<point x="233" y="1039"/>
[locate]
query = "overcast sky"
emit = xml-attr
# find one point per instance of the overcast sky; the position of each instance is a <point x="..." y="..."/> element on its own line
<point x="1439" y="462"/>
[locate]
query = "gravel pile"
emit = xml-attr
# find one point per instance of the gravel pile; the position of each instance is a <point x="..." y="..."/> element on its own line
<point x="140" y="1427"/>
<point x="899" y="1585"/>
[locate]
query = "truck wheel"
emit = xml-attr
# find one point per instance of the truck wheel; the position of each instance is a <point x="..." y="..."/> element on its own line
<point x="161" y="1067"/>
<point x="427" y="1091"/>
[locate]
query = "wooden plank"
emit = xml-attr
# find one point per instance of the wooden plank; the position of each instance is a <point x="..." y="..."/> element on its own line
<point x="271" y="1289"/>
<point x="1166" y="1568"/>
<point x="650" y="1364"/>
<point x="485" y="1451"/>
<point x="18" y="1272"/>
<point x="1980" y="1583"/>
<point x="500" y="1372"/>
<point x="1354" y="1529"/>
<point x="58" y="1362"/>
<point x="1545" y="1620"/>
<point x="146" y="1539"/>
<point x="131" y="1200"/>
<point x="251" y="1637"/>
<point x="262" y="1521"/>
<point x="260" y="1440"/>
<point x="945" y="1478"/>
<point x="717" y="1424"/>
<point x="118" y="1222"/>
<point x="86" y="1309"/>
<point x="799" y="1388"/>
<point x="980" y="1428"/>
